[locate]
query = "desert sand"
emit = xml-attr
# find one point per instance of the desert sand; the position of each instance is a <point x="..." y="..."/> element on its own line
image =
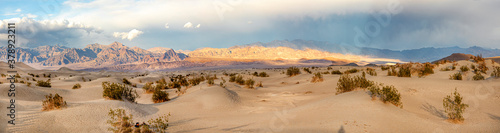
<point x="281" y="105"/>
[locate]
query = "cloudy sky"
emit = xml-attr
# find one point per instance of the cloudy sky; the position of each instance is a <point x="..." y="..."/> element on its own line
<point x="191" y="24"/>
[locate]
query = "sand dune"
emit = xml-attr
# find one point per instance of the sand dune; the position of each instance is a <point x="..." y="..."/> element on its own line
<point x="281" y="105"/>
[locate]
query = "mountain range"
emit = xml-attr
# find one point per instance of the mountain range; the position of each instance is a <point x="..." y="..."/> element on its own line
<point x="120" y="57"/>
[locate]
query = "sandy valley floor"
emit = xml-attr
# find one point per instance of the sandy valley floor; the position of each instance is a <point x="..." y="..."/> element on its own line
<point x="281" y="105"/>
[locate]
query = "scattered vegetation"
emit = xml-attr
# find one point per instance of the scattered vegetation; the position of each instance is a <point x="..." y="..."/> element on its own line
<point x="77" y="86"/>
<point x="454" y="107"/>
<point x="456" y="76"/>
<point x="427" y="69"/>
<point x="148" y="87"/>
<point x="237" y="79"/>
<point x="317" y="78"/>
<point x="482" y="67"/>
<point x="392" y="71"/>
<point x="404" y="70"/>
<point x="42" y="83"/>
<point x="478" y="58"/>
<point x="384" y="68"/>
<point x="261" y="74"/>
<point x="292" y="71"/>
<point x="125" y="81"/>
<point x="122" y="123"/>
<point x="116" y="91"/>
<point x="50" y="103"/>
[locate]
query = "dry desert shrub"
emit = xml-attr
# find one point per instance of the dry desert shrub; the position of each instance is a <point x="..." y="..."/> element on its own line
<point x="50" y="103"/>
<point x="259" y="84"/>
<point x="384" y="68"/>
<point x="456" y="76"/>
<point x="292" y="71"/>
<point x="148" y="87"/>
<point x="354" y="70"/>
<point x="77" y="86"/>
<point x="464" y="68"/>
<point x="160" y="96"/>
<point x="336" y="72"/>
<point x="307" y="70"/>
<point x="454" y="107"/>
<point x="347" y="83"/>
<point x="125" y="81"/>
<point x="496" y="72"/>
<point x="116" y="91"/>
<point x="42" y="83"/>
<point x="478" y="76"/>
<point x="249" y="83"/>
<point x="404" y="70"/>
<point x="387" y="94"/>
<point x="371" y="71"/>
<point x="427" y="69"/>
<point x="317" y="78"/>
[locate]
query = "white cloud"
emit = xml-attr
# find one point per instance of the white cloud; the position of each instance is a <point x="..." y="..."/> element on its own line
<point x="29" y="15"/>
<point x="166" y="26"/>
<point x="128" y="35"/>
<point x="198" y="26"/>
<point x="188" y="25"/>
<point x="18" y="10"/>
<point x="32" y="33"/>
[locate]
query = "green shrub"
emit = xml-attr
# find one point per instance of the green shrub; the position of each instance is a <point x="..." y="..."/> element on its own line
<point x="336" y="72"/>
<point x="464" y="68"/>
<point x="77" y="86"/>
<point x="454" y="107"/>
<point x="239" y="80"/>
<point x="292" y="71"/>
<point x="307" y="70"/>
<point x="391" y="95"/>
<point x="456" y="76"/>
<point x="392" y="71"/>
<point x="50" y="103"/>
<point x="478" y="76"/>
<point x="354" y="70"/>
<point x="42" y="83"/>
<point x="374" y="91"/>
<point x="346" y="83"/>
<point x="249" y="83"/>
<point x="317" y="78"/>
<point x="446" y="69"/>
<point x="120" y="121"/>
<point x="160" y="96"/>
<point x="116" y="91"/>
<point x="496" y="72"/>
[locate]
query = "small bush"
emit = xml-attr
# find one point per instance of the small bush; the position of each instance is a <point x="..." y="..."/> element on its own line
<point x="50" y="103"/>
<point x="384" y="68"/>
<point x="478" y="58"/>
<point x="371" y="71"/>
<point x="148" y="87"/>
<point x="354" y="70"/>
<point x="426" y="70"/>
<point x="292" y="71"/>
<point x="263" y="74"/>
<point x="325" y="72"/>
<point x="478" y="76"/>
<point x="239" y="80"/>
<point x="249" y="83"/>
<point x="454" y="107"/>
<point x="346" y="83"/>
<point x="160" y="124"/>
<point x="496" y="72"/>
<point x="210" y="81"/>
<point x="42" y="83"/>
<point x="482" y="67"/>
<point x="77" y="86"/>
<point x="259" y="84"/>
<point x="317" y="78"/>
<point x="456" y="76"/>
<point x="391" y="95"/>
<point x="404" y="71"/>
<point x="160" y="96"/>
<point x="464" y="68"/>
<point x="120" y="121"/>
<point x="392" y="72"/>
<point x="83" y="79"/>
<point x="329" y="68"/>
<point x="125" y="81"/>
<point x="445" y="69"/>
<point x="307" y="70"/>
<point x="336" y="72"/>
<point x="27" y="83"/>
<point x="116" y="91"/>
